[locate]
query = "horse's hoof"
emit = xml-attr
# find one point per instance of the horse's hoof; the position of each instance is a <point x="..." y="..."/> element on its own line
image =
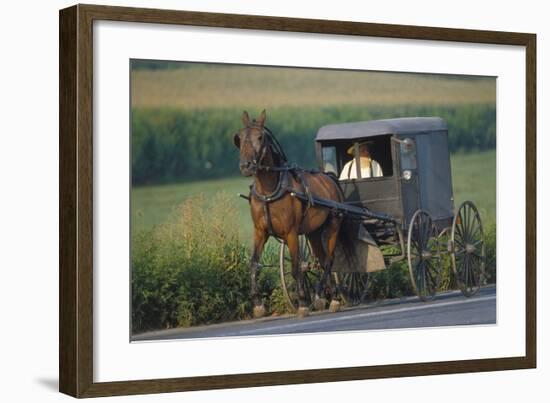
<point x="334" y="306"/>
<point x="303" y="312"/>
<point x="259" y="311"/>
<point x="319" y="304"/>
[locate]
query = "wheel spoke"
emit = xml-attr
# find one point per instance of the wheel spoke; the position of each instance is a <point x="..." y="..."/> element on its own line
<point x="468" y="232"/>
<point x="475" y="233"/>
<point x="420" y="276"/>
<point x="461" y="228"/>
<point x="464" y="272"/>
<point x="470" y="271"/>
<point x="427" y="229"/>
<point x="353" y="286"/>
<point x="478" y="257"/>
<point x="429" y="276"/>
<point x="459" y="232"/>
<point x="416" y="245"/>
<point x="475" y="275"/>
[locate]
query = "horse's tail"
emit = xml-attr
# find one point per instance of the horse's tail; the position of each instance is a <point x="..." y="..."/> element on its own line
<point x="346" y="239"/>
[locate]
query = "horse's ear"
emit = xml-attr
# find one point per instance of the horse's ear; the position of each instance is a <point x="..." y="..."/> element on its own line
<point x="261" y="119"/>
<point x="246" y="119"/>
<point x="237" y="140"/>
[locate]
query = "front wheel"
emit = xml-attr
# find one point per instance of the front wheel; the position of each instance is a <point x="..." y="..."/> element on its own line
<point x="310" y="270"/>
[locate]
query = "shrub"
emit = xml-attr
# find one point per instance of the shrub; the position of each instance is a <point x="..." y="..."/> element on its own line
<point x="491" y="253"/>
<point x="191" y="270"/>
<point x="393" y="282"/>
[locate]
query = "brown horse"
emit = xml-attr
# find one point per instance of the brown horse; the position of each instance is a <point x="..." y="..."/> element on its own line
<point x="275" y="212"/>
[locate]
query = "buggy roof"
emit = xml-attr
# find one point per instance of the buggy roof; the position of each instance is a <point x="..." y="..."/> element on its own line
<point x="356" y="130"/>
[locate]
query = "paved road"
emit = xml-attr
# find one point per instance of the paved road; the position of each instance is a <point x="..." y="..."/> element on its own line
<point x="447" y="309"/>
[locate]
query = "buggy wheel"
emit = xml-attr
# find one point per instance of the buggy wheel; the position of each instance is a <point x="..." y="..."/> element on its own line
<point x="353" y="287"/>
<point x="423" y="255"/>
<point x="468" y="249"/>
<point x="310" y="270"/>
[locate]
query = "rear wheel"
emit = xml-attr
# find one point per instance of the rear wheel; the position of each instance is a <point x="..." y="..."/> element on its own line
<point x="423" y="255"/>
<point x="468" y="249"/>
<point x="353" y="287"/>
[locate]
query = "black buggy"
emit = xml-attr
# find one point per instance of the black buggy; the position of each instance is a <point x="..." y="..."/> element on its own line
<point x="407" y="213"/>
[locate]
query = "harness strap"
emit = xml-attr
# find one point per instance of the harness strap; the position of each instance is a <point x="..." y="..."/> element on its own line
<point x="280" y="190"/>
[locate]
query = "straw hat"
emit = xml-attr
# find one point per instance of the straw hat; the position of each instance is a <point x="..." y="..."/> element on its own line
<point x="350" y="150"/>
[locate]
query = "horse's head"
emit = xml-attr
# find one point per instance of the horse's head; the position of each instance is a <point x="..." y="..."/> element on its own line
<point x="252" y="143"/>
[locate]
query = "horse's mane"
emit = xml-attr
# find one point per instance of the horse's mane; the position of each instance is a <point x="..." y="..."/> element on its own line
<point x="277" y="151"/>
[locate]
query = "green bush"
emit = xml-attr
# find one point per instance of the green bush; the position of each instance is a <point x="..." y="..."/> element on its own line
<point x="192" y="270"/>
<point x="491" y="254"/>
<point x="170" y="145"/>
<point x="391" y="283"/>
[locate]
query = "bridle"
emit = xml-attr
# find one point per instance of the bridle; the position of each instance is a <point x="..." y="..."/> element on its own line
<point x="269" y="141"/>
<point x="283" y="186"/>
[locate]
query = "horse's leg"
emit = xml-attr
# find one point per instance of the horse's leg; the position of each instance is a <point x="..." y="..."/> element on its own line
<point x="316" y="242"/>
<point x="260" y="238"/>
<point x="332" y="230"/>
<point x="293" y="247"/>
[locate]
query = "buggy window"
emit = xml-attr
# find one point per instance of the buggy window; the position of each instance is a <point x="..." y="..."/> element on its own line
<point x="381" y="153"/>
<point x="408" y="154"/>
<point x="329" y="159"/>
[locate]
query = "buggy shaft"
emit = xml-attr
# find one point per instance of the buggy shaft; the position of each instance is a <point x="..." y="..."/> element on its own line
<point x="358" y="212"/>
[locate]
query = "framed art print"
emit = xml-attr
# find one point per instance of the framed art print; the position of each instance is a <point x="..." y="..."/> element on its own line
<point x="241" y="194"/>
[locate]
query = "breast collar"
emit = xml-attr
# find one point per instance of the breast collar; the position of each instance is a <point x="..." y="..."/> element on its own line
<point x="280" y="190"/>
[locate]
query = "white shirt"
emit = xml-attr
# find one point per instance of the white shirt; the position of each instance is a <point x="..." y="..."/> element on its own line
<point x="349" y="171"/>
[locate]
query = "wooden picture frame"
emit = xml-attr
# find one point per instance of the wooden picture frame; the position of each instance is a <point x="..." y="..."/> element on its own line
<point x="76" y="200"/>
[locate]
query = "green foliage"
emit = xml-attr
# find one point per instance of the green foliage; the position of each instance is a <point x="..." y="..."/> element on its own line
<point x="391" y="283"/>
<point x="278" y="303"/>
<point x="170" y="145"/>
<point x="491" y="253"/>
<point x="192" y="270"/>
